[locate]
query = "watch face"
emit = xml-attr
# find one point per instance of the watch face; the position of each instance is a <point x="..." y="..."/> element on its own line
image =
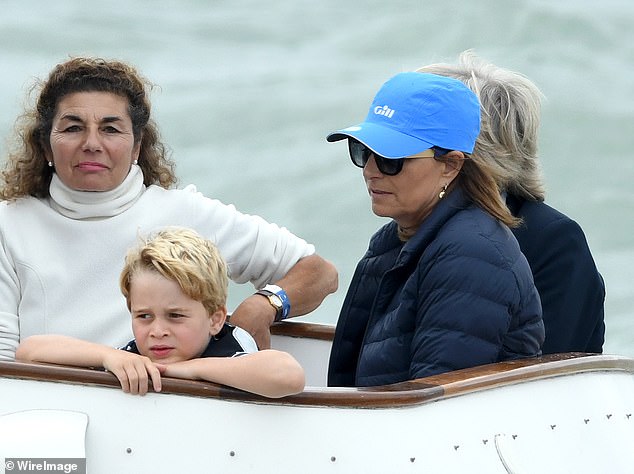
<point x="276" y="301"/>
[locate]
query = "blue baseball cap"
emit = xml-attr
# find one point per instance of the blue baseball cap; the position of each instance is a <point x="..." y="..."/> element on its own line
<point x="414" y="111"/>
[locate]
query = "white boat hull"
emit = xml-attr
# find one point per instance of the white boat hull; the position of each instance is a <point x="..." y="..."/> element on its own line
<point x="569" y="415"/>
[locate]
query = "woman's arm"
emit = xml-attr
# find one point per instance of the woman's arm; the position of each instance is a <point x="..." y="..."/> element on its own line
<point x="9" y="302"/>
<point x="132" y="370"/>
<point x="307" y="283"/>
<point x="269" y="373"/>
<point x="262" y="253"/>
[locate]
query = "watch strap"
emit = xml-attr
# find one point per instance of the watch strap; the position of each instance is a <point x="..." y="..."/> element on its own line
<point x="283" y="312"/>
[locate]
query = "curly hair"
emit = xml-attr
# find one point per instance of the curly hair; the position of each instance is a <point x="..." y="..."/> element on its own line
<point x="26" y="172"/>
<point x="181" y="255"/>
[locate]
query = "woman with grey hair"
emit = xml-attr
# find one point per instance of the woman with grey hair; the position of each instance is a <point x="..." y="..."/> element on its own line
<point x="572" y="290"/>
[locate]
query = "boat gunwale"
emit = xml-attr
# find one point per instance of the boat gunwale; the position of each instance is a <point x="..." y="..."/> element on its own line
<point x="409" y="393"/>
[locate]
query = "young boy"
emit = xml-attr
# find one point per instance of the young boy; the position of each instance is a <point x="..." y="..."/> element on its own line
<point x="176" y="286"/>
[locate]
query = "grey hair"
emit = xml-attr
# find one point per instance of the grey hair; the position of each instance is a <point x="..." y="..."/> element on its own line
<point x="511" y="106"/>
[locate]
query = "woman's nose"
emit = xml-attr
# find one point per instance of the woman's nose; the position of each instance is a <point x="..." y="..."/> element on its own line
<point x="370" y="168"/>
<point x="92" y="141"/>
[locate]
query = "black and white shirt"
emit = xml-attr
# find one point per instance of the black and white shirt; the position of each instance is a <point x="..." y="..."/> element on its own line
<point x="231" y="341"/>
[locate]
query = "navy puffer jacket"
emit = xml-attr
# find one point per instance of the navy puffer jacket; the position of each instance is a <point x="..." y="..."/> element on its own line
<point x="458" y="294"/>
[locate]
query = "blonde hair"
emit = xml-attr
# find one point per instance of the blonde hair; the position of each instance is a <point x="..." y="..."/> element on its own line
<point x="510" y="111"/>
<point x="183" y="256"/>
<point x="26" y="171"/>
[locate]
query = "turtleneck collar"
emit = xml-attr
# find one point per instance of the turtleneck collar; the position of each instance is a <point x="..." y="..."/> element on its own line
<point x="94" y="205"/>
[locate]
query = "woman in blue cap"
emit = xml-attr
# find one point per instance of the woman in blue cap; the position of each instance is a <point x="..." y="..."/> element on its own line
<point x="443" y="285"/>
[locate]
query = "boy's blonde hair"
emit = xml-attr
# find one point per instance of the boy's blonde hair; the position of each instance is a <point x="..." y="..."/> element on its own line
<point x="181" y="255"/>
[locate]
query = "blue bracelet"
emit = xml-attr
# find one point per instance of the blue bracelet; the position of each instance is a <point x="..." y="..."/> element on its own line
<point x="286" y="304"/>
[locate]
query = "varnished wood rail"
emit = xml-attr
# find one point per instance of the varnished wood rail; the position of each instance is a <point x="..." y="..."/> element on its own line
<point x="322" y="332"/>
<point x="401" y="394"/>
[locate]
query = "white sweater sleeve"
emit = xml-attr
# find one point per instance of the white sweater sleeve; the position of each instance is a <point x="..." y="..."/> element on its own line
<point x="255" y="250"/>
<point x="10" y="296"/>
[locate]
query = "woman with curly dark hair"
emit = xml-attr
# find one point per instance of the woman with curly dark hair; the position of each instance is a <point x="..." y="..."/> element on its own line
<point x="86" y="174"/>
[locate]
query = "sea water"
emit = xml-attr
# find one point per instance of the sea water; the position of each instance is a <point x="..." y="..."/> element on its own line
<point x="247" y="90"/>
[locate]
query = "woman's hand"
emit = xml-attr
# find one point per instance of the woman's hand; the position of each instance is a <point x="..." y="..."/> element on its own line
<point x="307" y="284"/>
<point x="255" y="315"/>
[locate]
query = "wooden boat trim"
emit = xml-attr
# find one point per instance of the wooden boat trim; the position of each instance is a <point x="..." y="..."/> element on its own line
<point x="322" y="332"/>
<point x="409" y="393"/>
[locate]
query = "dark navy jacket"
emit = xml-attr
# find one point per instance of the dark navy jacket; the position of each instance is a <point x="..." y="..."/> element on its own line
<point x="458" y="294"/>
<point x="571" y="289"/>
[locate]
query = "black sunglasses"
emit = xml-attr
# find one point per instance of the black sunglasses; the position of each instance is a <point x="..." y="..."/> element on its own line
<point x="360" y="154"/>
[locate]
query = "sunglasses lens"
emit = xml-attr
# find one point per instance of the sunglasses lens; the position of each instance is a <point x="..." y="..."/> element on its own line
<point x="389" y="166"/>
<point x="359" y="153"/>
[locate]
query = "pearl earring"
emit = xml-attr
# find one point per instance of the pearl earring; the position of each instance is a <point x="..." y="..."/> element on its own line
<point x="50" y="164"/>
<point x="443" y="192"/>
<point x="135" y="162"/>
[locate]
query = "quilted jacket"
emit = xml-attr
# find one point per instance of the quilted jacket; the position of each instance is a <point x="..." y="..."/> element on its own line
<point x="458" y="294"/>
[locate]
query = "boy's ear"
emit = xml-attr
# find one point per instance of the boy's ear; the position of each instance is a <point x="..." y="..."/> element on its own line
<point x="217" y="320"/>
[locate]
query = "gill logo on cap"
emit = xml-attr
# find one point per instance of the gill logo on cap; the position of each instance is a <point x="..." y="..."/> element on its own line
<point x="385" y="110"/>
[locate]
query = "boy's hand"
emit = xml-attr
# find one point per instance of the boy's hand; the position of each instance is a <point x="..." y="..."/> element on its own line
<point x="133" y="371"/>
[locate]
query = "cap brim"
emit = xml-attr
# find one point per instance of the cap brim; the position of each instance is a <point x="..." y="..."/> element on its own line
<point x="382" y="140"/>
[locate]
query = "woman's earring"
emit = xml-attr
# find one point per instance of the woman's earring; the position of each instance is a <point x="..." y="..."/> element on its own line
<point x="443" y="192"/>
<point x="50" y="164"/>
<point x="135" y="162"/>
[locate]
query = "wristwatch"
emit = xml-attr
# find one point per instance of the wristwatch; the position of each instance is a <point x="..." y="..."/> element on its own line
<point x="278" y="299"/>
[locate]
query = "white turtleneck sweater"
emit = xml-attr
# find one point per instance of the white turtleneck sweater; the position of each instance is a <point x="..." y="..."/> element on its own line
<point x="61" y="257"/>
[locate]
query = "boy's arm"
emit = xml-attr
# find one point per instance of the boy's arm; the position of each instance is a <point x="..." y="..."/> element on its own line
<point x="132" y="370"/>
<point x="61" y="350"/>
<point x="269" y="373"/>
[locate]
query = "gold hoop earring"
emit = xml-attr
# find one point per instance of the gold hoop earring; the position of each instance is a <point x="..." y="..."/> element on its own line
<point x="443" y="192"/>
